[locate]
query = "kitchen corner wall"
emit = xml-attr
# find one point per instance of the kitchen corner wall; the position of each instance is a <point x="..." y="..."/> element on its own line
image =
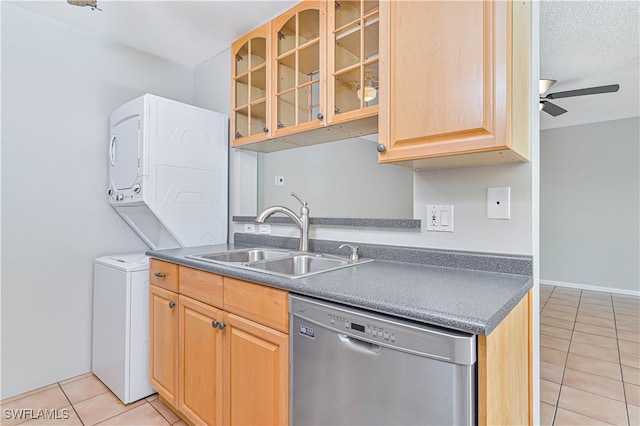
<point x="59" y="85"/>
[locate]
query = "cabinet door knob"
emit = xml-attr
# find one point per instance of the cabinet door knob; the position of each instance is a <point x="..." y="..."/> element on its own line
<point x="266" y="130"/>
<point x="381" y="148"/>
<point x="218" y="324"/>
<point x="172" y="305"/>
<point x="160" y="275"/>
<point x="320" y="116"/>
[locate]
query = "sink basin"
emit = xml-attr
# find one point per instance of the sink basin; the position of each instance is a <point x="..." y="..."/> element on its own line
<point x="240" y="256"/>
<point x="284" y="263"/>
<point x="301" y="264"/>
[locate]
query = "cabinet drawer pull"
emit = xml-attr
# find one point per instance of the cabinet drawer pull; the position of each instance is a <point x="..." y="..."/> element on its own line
<point x="381" y="148"/>
<point x="172" y="305"/>
<point x="160" y="275"/>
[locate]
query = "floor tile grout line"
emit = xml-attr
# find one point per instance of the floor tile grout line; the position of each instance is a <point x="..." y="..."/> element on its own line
<point x="73" y="407"/>
<point x="161" y="415"/>
<point x="624" y="390"/>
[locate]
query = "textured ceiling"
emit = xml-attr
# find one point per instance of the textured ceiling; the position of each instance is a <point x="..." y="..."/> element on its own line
<point x="587" y="44"/>
<point x="582" y="43"/>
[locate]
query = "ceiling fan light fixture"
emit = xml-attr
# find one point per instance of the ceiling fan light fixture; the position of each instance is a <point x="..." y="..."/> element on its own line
<point x="545" y="85"/>
<point x="93" y="4"/>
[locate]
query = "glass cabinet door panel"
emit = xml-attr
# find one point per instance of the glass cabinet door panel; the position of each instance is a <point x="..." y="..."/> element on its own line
<point x="308" y="63"/>
<point x="309" y="26"/>
<point x="258" y="51"/>
<point x="258" y="84"/>
<point x="242" y="123"/>
<point x="258" y="118"/>
<point x="347" y="85"/>
<point x="242" y="90"/>
<point x="371" y="37"/>
<point x="347" y="11"/>
<point x="348" y="47"/>
<point x="369" y="6"/>
<point x="287" y="73"/>
<point x="286" y="105"/>
<point x="371" y="78"/>
<point x="287" y="36"/>
<point x="242" y="59"/>
<point x="308" y="102"/>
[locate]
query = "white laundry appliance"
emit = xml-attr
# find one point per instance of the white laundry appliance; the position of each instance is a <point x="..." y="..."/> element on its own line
<point x="120" y="357"/>
<point x="168" y="168"/>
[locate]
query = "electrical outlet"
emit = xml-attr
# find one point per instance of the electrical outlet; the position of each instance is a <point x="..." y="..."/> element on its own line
<point x="440" y="218"/>
<point x="279" y="181"/>
<point x="499" y="203"/>
<point x="249" y="228"/>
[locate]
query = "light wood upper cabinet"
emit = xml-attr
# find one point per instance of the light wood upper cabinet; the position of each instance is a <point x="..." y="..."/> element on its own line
<point x="163" y="343"/>
<point x="353" y="59"/>
<point x="457" y="75"/>
<point x="250" y="87"/>
<point x="298" y="46"/>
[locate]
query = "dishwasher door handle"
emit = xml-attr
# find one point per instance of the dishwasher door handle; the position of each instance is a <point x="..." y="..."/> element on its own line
<point x="359" y="345"/>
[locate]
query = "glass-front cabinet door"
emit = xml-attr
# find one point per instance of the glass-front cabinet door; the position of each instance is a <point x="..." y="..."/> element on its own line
<point x="353" y="57"/>
<point x="250" y="87"/>
<point x="298" y="45"/>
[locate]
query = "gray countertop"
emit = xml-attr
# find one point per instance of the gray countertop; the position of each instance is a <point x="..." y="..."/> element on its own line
<point x="473" y="301"/>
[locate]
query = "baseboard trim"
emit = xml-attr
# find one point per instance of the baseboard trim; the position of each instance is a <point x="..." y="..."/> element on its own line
<point x="591" y="287"/>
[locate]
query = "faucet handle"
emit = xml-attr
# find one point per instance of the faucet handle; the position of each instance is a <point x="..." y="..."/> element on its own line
<point x="354" y="252"/>
<point x="300" y="200"/>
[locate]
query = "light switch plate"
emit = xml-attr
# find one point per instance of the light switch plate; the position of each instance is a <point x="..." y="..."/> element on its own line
<point x="440" y="218"/>
<point x="499" y="203"/>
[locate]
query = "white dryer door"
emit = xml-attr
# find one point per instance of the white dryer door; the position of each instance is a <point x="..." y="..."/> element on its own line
<point x="124" y="153"/>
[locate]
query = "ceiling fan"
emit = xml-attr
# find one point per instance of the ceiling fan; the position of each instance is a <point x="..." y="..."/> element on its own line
<point x="555" y="110"/>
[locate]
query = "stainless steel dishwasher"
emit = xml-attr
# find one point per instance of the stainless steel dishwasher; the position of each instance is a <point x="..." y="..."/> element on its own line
<point x="354" y="367"/>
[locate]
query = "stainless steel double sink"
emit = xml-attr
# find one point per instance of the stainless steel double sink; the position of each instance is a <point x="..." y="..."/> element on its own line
<point x="284" y="263"/>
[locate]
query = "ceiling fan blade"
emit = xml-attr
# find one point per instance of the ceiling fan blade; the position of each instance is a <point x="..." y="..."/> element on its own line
<point x="552" y="109"/>
<point x="582" y="92"/>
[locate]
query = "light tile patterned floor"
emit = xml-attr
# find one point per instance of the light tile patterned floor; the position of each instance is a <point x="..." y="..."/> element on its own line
<point x="589" y="357"/>
<point x="589" y="368"/>
<point x="83" y="400"/>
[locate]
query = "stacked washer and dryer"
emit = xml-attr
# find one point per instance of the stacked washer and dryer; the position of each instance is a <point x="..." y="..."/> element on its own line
<point x="168" y="164"/>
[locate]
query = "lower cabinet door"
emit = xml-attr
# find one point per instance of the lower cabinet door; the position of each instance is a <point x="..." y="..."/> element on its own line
<point x="200" y="362"/>
<point x="257" y="369"/>
<point x="163" y="339"/>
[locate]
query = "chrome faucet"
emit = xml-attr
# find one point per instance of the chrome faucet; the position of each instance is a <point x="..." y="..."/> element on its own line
<point x="302" y="222"/>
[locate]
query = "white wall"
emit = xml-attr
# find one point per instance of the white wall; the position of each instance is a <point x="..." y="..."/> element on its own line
<point x="59" y="85"/>
<point x="590" y="205"/>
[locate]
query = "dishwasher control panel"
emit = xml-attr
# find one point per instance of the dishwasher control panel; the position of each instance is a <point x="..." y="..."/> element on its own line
<point x="368" y="330"/>
<point x="379" y="329"/>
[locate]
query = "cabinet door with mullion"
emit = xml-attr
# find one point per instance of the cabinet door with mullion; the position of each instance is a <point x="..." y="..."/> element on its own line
<point x="298" y="79"/>
<point x="353" y="55"/>
<point x="250" y="90"/>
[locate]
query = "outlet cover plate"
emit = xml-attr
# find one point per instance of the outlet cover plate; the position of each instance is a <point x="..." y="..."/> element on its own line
<point x="499" y="203"/>
<point x="440" y="218"/>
